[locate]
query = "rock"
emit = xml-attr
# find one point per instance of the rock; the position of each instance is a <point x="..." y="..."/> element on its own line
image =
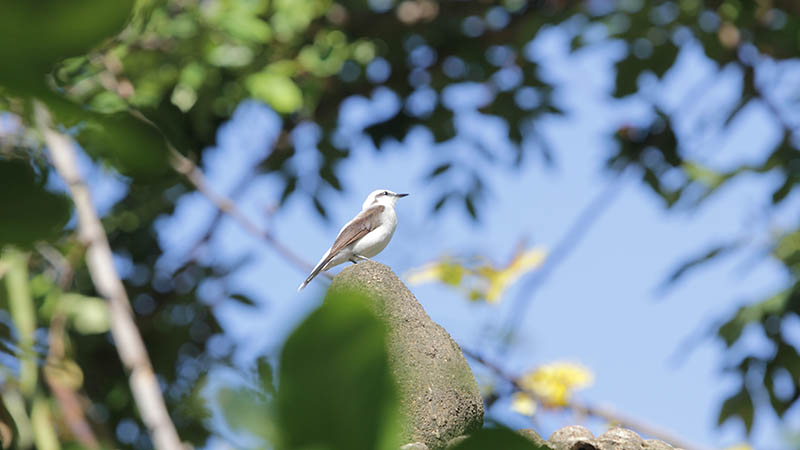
<point x="619" y="438"/>
<point x="577" y="437"/>
<point x="439" y="395"/>
<point x="414" y="446"/>
<point x="452" y="443"/>
<point x="574" y="437"/>
<point x="655" y="444"/>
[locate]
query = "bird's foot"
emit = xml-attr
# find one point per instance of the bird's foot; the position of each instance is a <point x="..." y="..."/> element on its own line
<point x="353" y="260"/>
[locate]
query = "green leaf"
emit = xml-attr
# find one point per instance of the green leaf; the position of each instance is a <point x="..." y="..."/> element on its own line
<point x="469" y="203"/>
<point x="88" y="315"/>
<point x="44" y="32"/>
<point x="275" y="89"/>
<point x="699" y="260"/>
<point x="497" y="438"/>
<point x="395" y="128"/>
<point x="628" y="71"/>
<point x="731" y="330"/>
<point x="320" y="207"/>
<point x="336" y="389"/>
<point x="440" y="169"/>
<point x="663" y="58"/>
<point x="131" y="144"/>
<point x="738" y="405"/>
<point x="265" y="377"/>
<point x="23" y="314"/>
<point x="288" y="189"/>
<point x="248" y="410"/>
<point x="28" y="211"/>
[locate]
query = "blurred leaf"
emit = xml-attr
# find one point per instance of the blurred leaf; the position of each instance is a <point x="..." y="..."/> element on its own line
<point x="28" y="211"/>
<point x="523" y="404"/>
<point x="469" y="203"/>
<point x="501" y="279"/>
<point x="132" y="145"/>
<point x="8" y="429"/>
<point x="692" y="263"/>
<point x="739" y="405"/>
<point x="628" y="71"/>
<point x="23" y="314"/>
<point x="248" y="410"/>
<point x="446" y="271"/>
<point x="440" y="169"/>
<point x="243" y="299"/>
<point x="44" y="433"/>
<point x="289" y="188"/>
<point x="731" y="330"/>
<point x="697" y="172"/>
<point x="275" y="89"/>
<point x="396" y="128"/>
<point x="336" y="389"/>
<point x="497" y="438"/>
<point x="43" y="33"/>
<point x="555" y="382"/>
<point x="482" y="281"/>
<point x="663" y="58"/>
<point x="327" y="174"/>
<point x="320" y="207"/>
<point x="265" y="377"/>
<point x="88" y="315"/>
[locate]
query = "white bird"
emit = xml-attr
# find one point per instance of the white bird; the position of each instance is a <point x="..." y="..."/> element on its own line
<point x="364" y="236"/>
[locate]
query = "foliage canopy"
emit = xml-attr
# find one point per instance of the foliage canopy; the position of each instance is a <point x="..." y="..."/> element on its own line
<point x="130" y="79"/>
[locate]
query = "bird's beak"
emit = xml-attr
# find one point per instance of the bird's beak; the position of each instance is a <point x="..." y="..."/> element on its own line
<point x="401" y="195"/>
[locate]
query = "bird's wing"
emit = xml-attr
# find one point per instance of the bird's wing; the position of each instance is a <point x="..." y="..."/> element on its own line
<point x="354" y="230"/>
<point x="363" y="223"/>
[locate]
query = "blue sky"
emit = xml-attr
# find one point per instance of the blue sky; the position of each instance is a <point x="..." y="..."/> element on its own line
<point x="601" y="307"/>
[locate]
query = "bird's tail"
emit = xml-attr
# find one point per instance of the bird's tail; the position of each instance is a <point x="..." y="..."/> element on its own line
<point x="317" y="269"/>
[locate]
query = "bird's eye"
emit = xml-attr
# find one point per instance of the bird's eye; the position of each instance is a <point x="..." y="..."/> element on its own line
<point x="385" y="192"/>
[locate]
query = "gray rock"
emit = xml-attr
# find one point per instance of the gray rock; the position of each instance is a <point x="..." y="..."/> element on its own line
<point x="439" y="396"/>
<point x="452" y="443"/>
<point x="577" y="437"/>
<point x="573" y="437"/>
<point x="619" y="438"/>
<point x="414" y="446"/>
<point x="655" y="444"/>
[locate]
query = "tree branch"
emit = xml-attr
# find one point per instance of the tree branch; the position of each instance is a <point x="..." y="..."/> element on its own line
<point x="129" y="343"/>
<point x="189" y="169"/>
<point x="585" y="409"/>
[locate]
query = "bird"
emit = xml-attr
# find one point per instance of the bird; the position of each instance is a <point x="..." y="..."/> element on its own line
<point x="363" y="237"/>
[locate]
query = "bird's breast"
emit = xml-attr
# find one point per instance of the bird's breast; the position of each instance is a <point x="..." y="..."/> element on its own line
<point x="377" y="239"/>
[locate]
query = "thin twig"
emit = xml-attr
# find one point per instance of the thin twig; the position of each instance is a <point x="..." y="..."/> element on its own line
<point x="583" y="408"/>
<point x="189" y="169"/>
<point x="128" y="340"/>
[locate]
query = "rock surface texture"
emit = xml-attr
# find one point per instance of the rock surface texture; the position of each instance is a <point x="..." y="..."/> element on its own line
<point x="576" y="437"/>
<point x="439" y="395"/>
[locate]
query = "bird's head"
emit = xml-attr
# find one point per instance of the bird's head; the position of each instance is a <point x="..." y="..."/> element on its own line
<point x="381" y="197"/>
